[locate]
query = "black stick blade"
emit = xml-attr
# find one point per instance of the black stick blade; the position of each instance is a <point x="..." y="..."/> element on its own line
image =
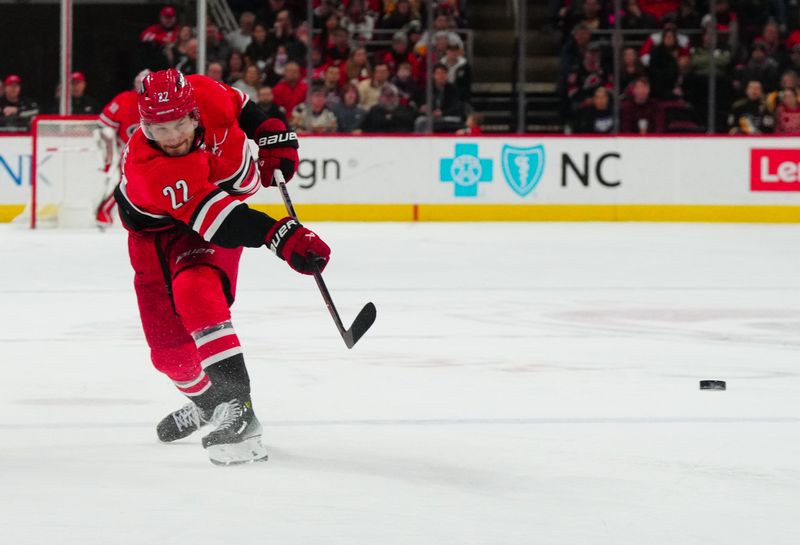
<point x="362" y="323"/>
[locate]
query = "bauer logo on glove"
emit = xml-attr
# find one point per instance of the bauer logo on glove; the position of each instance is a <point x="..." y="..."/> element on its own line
<point x="301" y="248"/>
<point x="277" y="149"/>
<point x="272" y="140"/>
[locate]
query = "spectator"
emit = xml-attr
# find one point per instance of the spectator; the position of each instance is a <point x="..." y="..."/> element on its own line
<point x="325" y="40"/>
<point x="655" y="39"/>
<point x="591" y="14"/>
<point x="399" y="17"/>
<point x="727" y="25"/>
<point x="659" y="9"/>
<point x="188" y="62"/>
<point x="242" y="36"/>
<point x="442" y="23"/>
<point x="701" y="57"/>
<point x="267" y="15"/>
<point x="452" y="9"/>
<point x="283" y="33"/>
<point x="389" y="116"/>
<point x="771" y="38"/>
<point x="217" y="48"/>
<point x="635" y="18"/>
<point x="399" y="53"/>
<point x="325" y="8"/>
<point x="753" y="14"/>
<point x="573" y="52"/>
<point x="758" y="67"/>
<point x="235" y="67"/>
<point x="175" y="51"/>
<point x="339" y="52"/>
<point x="687" y="15"/>
<point x="15" y="110"/>
<point x="787" y="116"/>
<point x="663" y="71"/>
<point x="370" y="89"/>
<point x="358" y="23"/>
<point x="640" y="113"/>
<point x="276" y="65"/>
<point x="794" y="59"/>
<point x="332" y="85"/>
<point x="448" y="111"/>
<point x="440" y="44"/>
<point x="349" y="115"/>
<point x="751" y="115"/>
<point x="631" y="70"/>
<point x="215" y="71"/>
<point x="595" y="117"/>
<point x="788" y="81"/>
<point x="250" y="83"/>
<point x="291" y="90"/>
<point x="407" y="85"/>
<point x="587" y="77"/>
<point x="259" y="49"/>
<point x="267" y="102"/>
<point x="357" y="67"/>
<point x="163" y="32"/>
<point x="459" y="72"/>
<point x="314" y="117"/>
<point x="414" y="32"/>
<point x="473" y="128"/>
<point x="81" y="102"/>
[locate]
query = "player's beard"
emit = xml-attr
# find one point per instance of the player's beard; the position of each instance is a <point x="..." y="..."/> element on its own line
<point x="177" y="150"/>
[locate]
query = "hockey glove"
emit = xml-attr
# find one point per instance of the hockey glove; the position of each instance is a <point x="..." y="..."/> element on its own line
<point x="277" y="148"/>
<point x="298" y="246"/>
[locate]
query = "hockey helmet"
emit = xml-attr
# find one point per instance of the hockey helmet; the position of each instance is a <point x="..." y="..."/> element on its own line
<point x="165" y="96"/>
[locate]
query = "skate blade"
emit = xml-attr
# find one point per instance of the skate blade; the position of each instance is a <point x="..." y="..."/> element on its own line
<point x="248" y="451"/>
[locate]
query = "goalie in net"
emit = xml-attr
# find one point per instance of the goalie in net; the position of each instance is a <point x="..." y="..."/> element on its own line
<point x="118" y="121"/>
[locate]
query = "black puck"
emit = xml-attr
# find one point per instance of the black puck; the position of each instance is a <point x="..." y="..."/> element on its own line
<point x="712" y="384"/>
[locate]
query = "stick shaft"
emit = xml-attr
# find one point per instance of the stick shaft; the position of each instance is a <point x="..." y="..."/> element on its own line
<point x="326" y="296"/>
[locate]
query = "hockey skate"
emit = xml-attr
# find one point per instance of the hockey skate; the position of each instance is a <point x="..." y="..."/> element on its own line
<point x="236" y="438"/>
<point x="181" y="423"/>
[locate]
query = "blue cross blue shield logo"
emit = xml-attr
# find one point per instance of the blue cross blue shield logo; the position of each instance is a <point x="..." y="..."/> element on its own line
<point x="466" y="170"/>
<point x="523" y="167"/>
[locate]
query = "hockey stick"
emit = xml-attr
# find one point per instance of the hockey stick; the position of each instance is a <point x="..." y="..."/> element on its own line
<point x="365" y="318"/>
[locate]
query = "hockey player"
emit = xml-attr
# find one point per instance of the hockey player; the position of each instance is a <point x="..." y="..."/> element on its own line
<point x="118" y="121"/>
<point x="186" y="174"/>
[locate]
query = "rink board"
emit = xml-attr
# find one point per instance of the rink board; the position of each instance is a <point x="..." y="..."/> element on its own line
<point x="508" y="178"/>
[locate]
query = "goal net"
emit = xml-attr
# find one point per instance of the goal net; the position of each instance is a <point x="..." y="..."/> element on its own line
<point x="67" y="172"/>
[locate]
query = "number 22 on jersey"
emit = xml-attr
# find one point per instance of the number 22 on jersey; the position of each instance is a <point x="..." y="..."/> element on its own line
<point x="172" y="193"/>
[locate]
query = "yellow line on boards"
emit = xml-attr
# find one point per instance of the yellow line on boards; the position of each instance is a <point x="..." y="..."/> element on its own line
<point x="512" y="212"/>
<point x="10" y="211"/>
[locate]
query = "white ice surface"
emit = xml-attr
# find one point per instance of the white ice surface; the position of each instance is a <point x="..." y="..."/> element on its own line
<point x="523" y="384"/>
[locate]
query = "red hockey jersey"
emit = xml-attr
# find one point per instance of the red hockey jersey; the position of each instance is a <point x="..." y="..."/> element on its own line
<point x="201" y="188"/>
<point x="122" y="115"/>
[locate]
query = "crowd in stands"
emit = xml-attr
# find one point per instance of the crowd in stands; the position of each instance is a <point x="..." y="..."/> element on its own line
<point x="666" y="61"/>
<point x="359" y="83"/>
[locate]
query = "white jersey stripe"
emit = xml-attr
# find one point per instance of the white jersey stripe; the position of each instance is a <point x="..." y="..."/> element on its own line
<point x="197" y="224"/>
<point x="125" y="194"/>
<point x="105" y="120"/>
<point x="212" y="229"/>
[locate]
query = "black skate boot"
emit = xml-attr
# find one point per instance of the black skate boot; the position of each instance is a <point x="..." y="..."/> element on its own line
<point x="237" y="436"/>
<point x="181" y="423"/>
